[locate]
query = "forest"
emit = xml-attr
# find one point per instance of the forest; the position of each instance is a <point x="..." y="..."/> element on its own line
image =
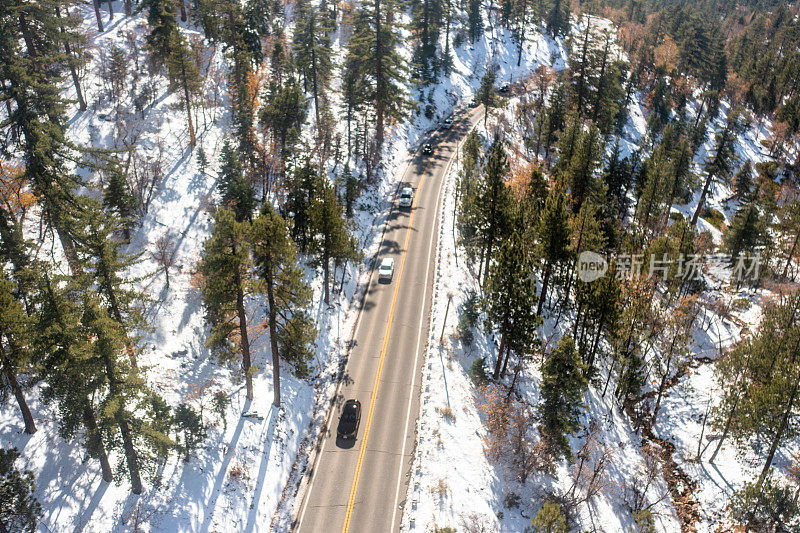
<point x="187" y="196"/>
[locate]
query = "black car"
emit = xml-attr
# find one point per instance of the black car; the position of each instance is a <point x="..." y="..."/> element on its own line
<point x="447" y="124"/>
<point x="348" y="422"/>
<point x="504" y="89"/>
<point x="427" y="149"/>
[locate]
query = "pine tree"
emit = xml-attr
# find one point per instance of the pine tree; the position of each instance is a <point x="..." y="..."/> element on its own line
<point x="291" y="331"/>
<point x="426" y="19"/>
<point x="374" y="45"/>
<point x="494" y="203"/>
<point x="333" y="237"/>
<point x="33" y="84"/>
<point x="720" y="164"/>
<point x="313" y="52"/>
<point x="743" y="182"/>
<point x="234" y="187"/>
<point x="562" y="389"/>
<point x="118" y="198"/>
<point x="71" y="370"/>
<point x="283" y="114"/>
<point x="226" y="280"/>
<point x="581" y="173"/>
<point x="474" y="19"/>
<point x="163" y="27"/>
<point x="184" y="75"/>
<point x="108" y="265"/>
<point x="510" y="303"/>
<point x="15" y="346"/>
<point x="746" y="232"/>
<point x="487" y="94"/>
<point x="558" y="19"/>
<point x="124" y="407"/>
<point x="19" y="509"/>
<point x="552" y="247"/>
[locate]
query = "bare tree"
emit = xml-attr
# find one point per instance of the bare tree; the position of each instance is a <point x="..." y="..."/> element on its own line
<point x="164" y="253"/>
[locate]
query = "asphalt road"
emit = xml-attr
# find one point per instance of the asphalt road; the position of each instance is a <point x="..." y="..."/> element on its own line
<point x="361" y="485"/>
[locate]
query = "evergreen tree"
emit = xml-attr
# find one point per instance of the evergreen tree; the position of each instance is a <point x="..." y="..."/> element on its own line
<point x="15" y="346"/>
<point x="108" y="265"/>
<point x="746" y="232"/>
<point x="73" y="373"/>
<point x="426" y="19"/>
<point x="562" y="389"/>
<point x="487" y="94"/>
<point x="558" y="18"/>
<point x="474" y="19"/>
<point x="313" y="52"/>
<point x="163" y="27"/>
<point x="374" y="48"/>
<point x="19" y="510"/>
<point x="184" y="76"/>
<point x="720" y="164"/>
<point x="234" y="186"/>
<point x="743" y="182"/>
<point x="494" y="203"/>
<point x="283" y="114"/>
<point x="226" y="280"/>
<point x="118" y="198"/>
<point x="291" y="330"/>
<point x="581" y="173"/>
<point x="33" y="85"/>
<point x="510" y="303"/>
<point x="552" y="247"/>
<point x="124" y="405"/>
<point x="333" y="238"/>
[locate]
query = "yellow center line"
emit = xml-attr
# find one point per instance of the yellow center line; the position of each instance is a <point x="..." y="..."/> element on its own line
<point x="363" y="449"/>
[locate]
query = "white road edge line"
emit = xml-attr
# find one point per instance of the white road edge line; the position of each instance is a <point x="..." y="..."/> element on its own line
<point x="434" y="233"/>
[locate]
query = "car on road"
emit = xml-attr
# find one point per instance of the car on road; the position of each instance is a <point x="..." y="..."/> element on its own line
<point x="427" y="149"/>
<point x="386" y="269"/>
<point x="474" y="102"/>
<point x="349" y="420"/>
<point x="406" y="197"/>
<point x="447" y="123"/>
<point x="504" y="89"/>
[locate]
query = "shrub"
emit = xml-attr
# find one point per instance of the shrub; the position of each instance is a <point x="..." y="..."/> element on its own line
<point x="189" y="424"/>
<point x="765" y="508"/>
<point x="550" y="519"/>
<point x="478" y="371"/>
<point x="713" y="217"/>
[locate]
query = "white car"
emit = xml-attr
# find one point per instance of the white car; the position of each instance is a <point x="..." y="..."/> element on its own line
<point x="406" y="197"/>
<point x="386" y="270"/>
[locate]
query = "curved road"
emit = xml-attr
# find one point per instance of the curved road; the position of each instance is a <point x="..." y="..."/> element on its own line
<point x="361" y="486"/>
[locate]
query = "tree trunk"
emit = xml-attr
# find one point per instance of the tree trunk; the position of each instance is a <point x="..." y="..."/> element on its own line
<point x="245" y="341"/>
<point x="702" y="200"/>
<point x="97" y="14"/>
<point x="784" y="422"/>
<point x="326" y="271"/>
<point x="498" y="365"/>
<point x="791" y="254"/>
<point x="30" y="425"/>
<point x="188" y="102"/>
<point x="543" y="294"/>
<point x="130" y="454"/>
<point x="71" y="64"/>
<point x="273" y="336"/>
<point x="95" y="442"/>
<point x="182" y="4"/>
<point x="110" y="10"/>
